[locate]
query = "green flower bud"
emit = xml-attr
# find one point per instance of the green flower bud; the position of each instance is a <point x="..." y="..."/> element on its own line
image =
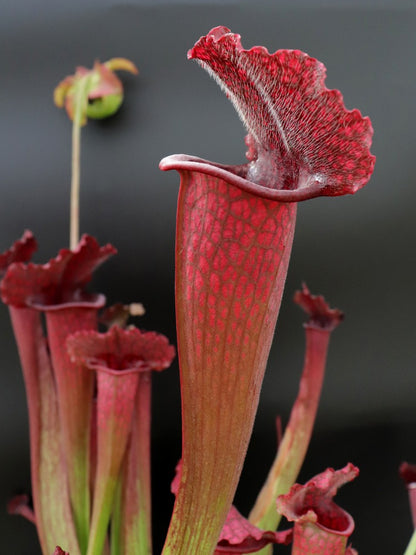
<point x="98" y="91"/>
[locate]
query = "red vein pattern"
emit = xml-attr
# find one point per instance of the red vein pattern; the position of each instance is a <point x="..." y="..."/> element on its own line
<point x="235" y="228"/>
<point x="302" y="131"/>
<point x="233" y="250"/>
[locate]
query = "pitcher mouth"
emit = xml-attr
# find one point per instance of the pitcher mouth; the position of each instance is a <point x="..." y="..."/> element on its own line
<point x="236" y="175"/>
<point x="341" y="524"/>
<point x="84" y="300"/>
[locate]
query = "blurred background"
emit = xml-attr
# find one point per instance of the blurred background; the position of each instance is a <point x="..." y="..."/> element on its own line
<point x="358" y="251"/>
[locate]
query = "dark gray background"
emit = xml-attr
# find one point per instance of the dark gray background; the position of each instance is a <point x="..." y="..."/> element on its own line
<point x="358" y="251"/>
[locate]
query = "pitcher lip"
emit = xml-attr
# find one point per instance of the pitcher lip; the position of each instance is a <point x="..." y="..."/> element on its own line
<point x="233" y="174"/>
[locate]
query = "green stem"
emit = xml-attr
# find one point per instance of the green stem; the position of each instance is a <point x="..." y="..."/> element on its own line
<point x="411" y="548"/>
<point x="80" y="100"/>
<point x="75" y="180"/>
<point x="116" y="519"/>
<point x="116" y="393"/>
<point x="131" y="530"/>
<point x="101" y="517"/>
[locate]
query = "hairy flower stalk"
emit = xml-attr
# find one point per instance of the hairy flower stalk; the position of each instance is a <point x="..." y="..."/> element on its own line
<point x="295" y="442"/>
<point x="119" y="358"/>
<point x="235" y="228"/>
<point x="321" y="526"/>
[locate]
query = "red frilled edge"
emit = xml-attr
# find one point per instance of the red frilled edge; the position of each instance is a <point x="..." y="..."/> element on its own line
<point x="321" y="316"/>
<point x="61" y="280"/>
<point x="240" y="536"/>
<point x="321" y="527"/>
<point x="121" y="349"/>
<point x="58" y="289"/>
<point x="313" y="501"/>
<point x="301" y="133"/>
<point x="123" y="359"/>
<point x="21" y="251"/>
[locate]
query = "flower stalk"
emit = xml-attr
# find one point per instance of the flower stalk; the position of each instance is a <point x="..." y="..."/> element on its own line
<point x="81" y="98"/>
<point x="96" y="94"/>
